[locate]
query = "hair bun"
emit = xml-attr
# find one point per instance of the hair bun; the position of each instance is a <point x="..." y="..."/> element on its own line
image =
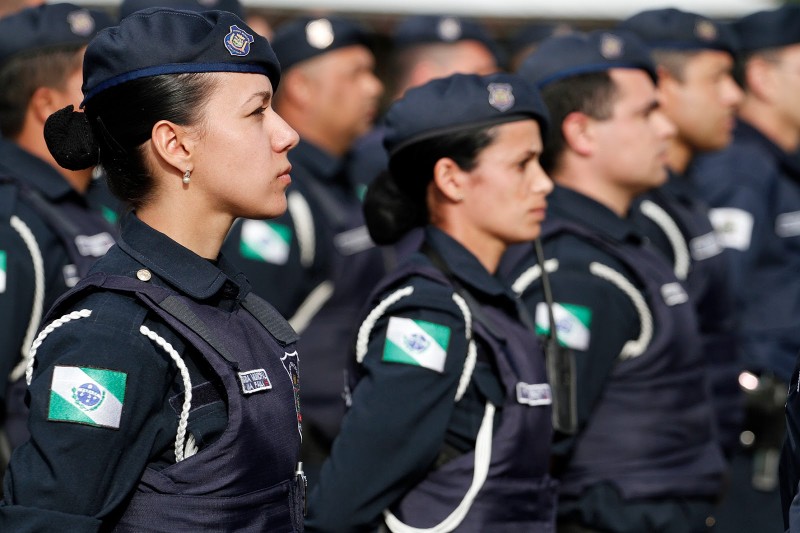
<point x="69" y="138"/>
<point x="389" y="212"/>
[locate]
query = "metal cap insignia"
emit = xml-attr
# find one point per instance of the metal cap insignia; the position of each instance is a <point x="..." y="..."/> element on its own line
<point x="81" y="22"/>
<point x="319" y="33"/>
<point x="449" y="29"/>
<point x="611" y="46"/>
<point x="501" y="96"/>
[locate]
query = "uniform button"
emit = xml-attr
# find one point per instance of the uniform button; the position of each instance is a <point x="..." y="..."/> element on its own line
<point x="711" y="521"/>
<point x="144" y="274"/>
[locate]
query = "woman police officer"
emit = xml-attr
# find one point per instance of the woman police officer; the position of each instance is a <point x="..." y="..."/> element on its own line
<point x="163" y="394"/>
<point x="450" y="419"/>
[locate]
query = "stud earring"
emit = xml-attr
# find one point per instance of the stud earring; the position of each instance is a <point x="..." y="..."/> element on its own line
<point x="187" y="176"/>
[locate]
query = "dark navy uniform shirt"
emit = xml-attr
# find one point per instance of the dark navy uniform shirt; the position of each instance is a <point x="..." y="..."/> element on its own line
<point x="753" y="189"/>
<point x="317" y="265"/>
<point x="676" y="222"/>
<point x="24" y="296"/>
<point x="71" y="476"/>
<point x="404" y="416"/>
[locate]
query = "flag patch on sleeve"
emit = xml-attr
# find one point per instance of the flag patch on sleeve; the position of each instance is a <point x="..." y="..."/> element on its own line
<point x="573" y="324"/>
<point x="89" y="396"/>
<point x="265" y="241"/>
<point x="3" y="269"/>
<point x="417" y="343"/>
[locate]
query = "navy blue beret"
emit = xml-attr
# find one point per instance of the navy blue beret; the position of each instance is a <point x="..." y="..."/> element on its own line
<point x="564" y="56"/>
<point x="48" y="26"/>
<point x="460" y="101"/>
<point x="673" y="29"/>
<point x="167" y="41"/>
<point x="532" y="34"/>
<point x="427" y="29"/>
<point x="308" y="37"/>
<point x="769" y="29"/>
<point x="131" y="6"/>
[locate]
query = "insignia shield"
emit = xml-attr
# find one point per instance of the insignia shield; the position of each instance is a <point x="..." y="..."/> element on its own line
<point x="238" y="41"/>
<point x="501" y="96"/>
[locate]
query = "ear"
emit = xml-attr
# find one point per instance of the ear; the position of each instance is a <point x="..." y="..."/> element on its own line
<point x="758" y="75"/>
<point x="449" y="179"/>
<point x="579" y="133"/>
<point x="174" y="145"/>
<point x="297" y="87"/>
<point x="43" y="103"/>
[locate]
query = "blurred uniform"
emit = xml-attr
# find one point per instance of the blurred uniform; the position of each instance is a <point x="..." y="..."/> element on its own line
<point x="317" y="263"/>
<point x="646" y="456"/>
<point x="128" y="7"/>
<point x="527" y="39"/>
<point x="49" y="235"/>
<point x="699" y="95"/>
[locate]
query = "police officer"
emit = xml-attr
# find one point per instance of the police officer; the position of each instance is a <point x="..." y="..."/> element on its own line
<point x="163" y="392"/>
<point x="424" y="47"/>
<point x="49" y="235"/>
<point x="753" y="189"/>
<point x="317" y="263"/>
<point x="450" y="422"/>
<point x="529" y="37"/>
<point x="694" y="58"/>
<point x="645" y="456"/>
<point x="131" y="6"/>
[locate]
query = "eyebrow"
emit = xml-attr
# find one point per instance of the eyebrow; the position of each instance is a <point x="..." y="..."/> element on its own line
<point x="261" y="95"/>
<point x="649" y="107"/>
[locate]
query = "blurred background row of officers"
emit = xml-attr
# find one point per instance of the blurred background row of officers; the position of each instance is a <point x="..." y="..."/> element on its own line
<point x="724" y="219"/>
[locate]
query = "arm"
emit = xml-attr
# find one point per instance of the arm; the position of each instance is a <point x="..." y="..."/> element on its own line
<point x="395" y="428"/>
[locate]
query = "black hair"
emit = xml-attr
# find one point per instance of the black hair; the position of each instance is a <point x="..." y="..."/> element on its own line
<point x="592" y="94"/>
<point x="118" y="121"/>
<point x="395" y="202"/>
<point x="24" y="73"/>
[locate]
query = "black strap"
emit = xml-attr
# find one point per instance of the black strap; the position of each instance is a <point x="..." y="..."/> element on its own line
<point x="271" y="319"/>
<point x="175" y="307"/>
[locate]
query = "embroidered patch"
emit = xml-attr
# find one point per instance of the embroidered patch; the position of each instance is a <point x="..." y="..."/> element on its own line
<point x="94" y="245"/>
<point x="788" y="224"/>
<point x="89" y="396"/>
<point x="674" y="294"/>
<point x="572" y="324"/>
<point x="109" y="214"/>
<point x="265" y="241"/>
<point x="534" y="394"/>
<point x="501" y="96"/>
<point x="238" y="41"/>
<point x="3" y="270"/>
<point x="291" y="362"/>
<point x="417" y="343"/>
<point x="353" y="241"/>
<point x="705" y="246"/>
<point x="734" y="227"/>
<point x="254" y="381"/>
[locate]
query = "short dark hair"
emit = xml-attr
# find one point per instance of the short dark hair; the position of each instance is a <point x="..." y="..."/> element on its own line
<point x="122" y="119"/>
<point x="24" y="73"/>
<point x="770" y="55"/>
<point x="592" y="94"/>
<point x="674" y="61"/>
<point x="396" y="201"/>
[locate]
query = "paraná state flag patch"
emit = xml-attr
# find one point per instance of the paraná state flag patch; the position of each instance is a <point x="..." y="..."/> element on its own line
<point x="417" y="343"/>
<point x="91" y="396"/>
<point x="267" y="241"/>
<point x="573" y="324"/>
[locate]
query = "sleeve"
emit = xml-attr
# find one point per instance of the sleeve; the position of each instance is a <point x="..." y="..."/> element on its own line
<point x="16" y="301"/>
<point x="594" y="319"/>
<point x="98" y="413"/>
<point x="278" y="258"/>
<point x="396" y="426"/>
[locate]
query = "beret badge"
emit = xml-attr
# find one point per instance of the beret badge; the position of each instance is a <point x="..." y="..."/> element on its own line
<point x="238" y="41"/>
<point x="501" y="96"/>
<point x="81" y="22"/>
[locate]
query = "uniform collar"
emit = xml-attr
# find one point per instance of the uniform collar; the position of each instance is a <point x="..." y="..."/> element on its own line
<point x="789" y="162"/>
<point x="179" y="266"/>
<point x="464" y="266"/>
<point x="318" y="163"/>
<point x="29" y="169"/>
<point x="573" y="206"/>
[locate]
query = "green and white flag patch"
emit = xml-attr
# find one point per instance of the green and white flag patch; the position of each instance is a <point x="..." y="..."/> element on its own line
<point x="572" y="324"/>
<point x="90" y="396"/>
<point x="266" y="241"/>
<point x="3" y="268"/>
<point x="416" y="342"/>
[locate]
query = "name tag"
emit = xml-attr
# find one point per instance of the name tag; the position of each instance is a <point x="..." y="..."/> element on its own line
<point x="94" y="245"/>
<point x="534" y="393"/>
<point x="705" y="246"/>
<point x="254" y="381"/>
<point x="788" y="224"/>
<point x="674" y="294"/>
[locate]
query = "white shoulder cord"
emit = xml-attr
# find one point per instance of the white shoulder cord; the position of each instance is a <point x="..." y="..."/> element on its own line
<point x="51" y="327"/>
<point x="483" y="460"/>
<point x="362" y="341"/>
<point x="180" y="438"/>
<point x="472" y="351"/>
<point x="532" y="274"/>
<point x="38" y="295"/>
<point x="632" y="348"/>
<point x="679" y="247"/>
<point x="315" y="301"/>
<point x="304" y="227"/>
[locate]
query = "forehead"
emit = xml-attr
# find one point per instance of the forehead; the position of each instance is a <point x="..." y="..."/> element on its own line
<point x="352" y="56"/>
<point x="709" y="61"/>
<point x="634" y="86"/>
<point x="235" y="88"/>
<point x="518" y="135"/>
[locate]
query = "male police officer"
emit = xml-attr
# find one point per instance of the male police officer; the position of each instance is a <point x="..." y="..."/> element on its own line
<point x="48" y="235"/>
<point x="645" y="457"/>
<point x="425" y="47"/>
<point x="694" y="60"/>
<point x="754" y="192"/>
<point x="317" y="264"/>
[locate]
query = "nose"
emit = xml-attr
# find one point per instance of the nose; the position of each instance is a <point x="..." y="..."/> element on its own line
<point x="374" y="85"/>
<point x="732" y="92"/>
<point x="283" y="137"/>
<point x="664" y="126"/>
<point x="542" y="184"/>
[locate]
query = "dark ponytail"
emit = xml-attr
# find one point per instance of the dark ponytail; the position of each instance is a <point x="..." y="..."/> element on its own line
<point x="118" y="121"/>
<point x="396" y="201"/>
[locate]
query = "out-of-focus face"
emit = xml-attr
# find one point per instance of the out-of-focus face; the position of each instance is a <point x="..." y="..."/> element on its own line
<point x="505" y="197"/>
<point x="468" y="57"/>
<point x="702" y="104"/>
<point x="786" y="85"/>
<point x="345" y="92"/>
<point x="241" y="162"/>
<point x="70" y="93"/>
<point x="631" y="145"/>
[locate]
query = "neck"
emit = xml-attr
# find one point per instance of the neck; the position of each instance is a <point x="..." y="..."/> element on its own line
<point x="771" y="123"/>
<point x="487" y="250"/>
<point x="613" y="197"/>
<point x="679" y="155"/>
<point x="195" y="229"/>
